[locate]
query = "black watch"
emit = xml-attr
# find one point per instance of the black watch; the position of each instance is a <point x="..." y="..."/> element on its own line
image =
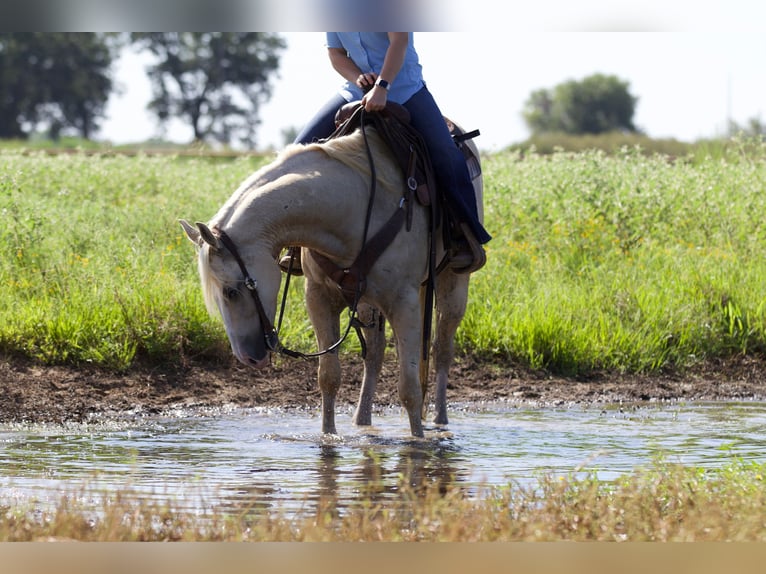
<point x="382" y="83"/>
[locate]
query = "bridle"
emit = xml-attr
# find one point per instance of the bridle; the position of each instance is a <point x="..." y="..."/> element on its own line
<point x="353" y="293"/>
<point x="270" y="333"/>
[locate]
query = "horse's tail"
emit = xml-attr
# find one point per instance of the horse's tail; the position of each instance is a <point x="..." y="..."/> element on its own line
<point x="425" y="356"/>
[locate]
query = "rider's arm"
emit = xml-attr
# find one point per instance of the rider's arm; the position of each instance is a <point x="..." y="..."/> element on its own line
<point x="344" y="65"/>
<point x="394" y="59"/>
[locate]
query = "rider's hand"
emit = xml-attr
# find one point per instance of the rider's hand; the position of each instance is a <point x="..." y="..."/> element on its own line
<point x="366" y="81"/>
<point x="375" y="99"/>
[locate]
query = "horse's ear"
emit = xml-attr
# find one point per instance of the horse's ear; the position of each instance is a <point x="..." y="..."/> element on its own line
<point x="191" y="231"/>
<point x="207" y="236"/>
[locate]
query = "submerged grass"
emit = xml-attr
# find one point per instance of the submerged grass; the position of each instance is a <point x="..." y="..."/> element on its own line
<point x="664" y="502"/>
<point x="627" y="262"/>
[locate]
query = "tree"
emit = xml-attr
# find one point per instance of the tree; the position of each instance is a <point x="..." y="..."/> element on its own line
<point x="214" y="80"/>
<point x="61" y="80"/>
<point x="289" y="134"/>
<point x="754" y="127"/>
<point x="597" y="104"/>
<point x="538" y="112"/>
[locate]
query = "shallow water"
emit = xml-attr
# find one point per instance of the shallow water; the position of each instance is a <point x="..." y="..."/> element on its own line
<point x="274" y="459"/>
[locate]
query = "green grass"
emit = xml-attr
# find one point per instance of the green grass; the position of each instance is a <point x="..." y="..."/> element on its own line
<point x="616" y="142"/>
<point x="621" y="262"/>
<point x="627" y="262"/>
<point x="95" y="267"/>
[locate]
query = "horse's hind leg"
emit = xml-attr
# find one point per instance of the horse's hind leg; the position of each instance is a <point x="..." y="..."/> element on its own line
<point x="375" y="338"/>
<point x="406" y="324"/>
<point x="451" y="301"/>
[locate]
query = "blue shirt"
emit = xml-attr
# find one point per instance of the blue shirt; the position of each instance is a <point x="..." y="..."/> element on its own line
<point x="368" y="50"/>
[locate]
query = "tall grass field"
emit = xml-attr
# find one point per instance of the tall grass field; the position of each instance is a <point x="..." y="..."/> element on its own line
<point x="627" y="261"/>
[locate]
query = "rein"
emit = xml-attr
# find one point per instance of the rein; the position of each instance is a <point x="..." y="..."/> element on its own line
<point x="271" y="334"/>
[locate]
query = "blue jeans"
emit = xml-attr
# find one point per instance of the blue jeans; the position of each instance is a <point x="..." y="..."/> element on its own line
<point x="448" y="162"/>
<point x="323" y="122"/>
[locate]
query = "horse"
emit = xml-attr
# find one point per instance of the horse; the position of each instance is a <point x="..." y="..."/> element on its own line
<point x="316" y="196"/>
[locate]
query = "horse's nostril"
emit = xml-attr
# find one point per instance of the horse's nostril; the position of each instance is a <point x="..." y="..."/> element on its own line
<point x="257" y="363"/>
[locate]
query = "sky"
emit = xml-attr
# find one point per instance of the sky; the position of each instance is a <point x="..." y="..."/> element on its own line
<point x="688" y="83"/>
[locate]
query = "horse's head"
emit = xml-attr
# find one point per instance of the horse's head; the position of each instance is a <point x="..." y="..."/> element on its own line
<point x="225" y="291"/>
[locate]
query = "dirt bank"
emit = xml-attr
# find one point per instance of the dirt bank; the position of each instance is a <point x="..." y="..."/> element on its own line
<point x="35" y="393"/>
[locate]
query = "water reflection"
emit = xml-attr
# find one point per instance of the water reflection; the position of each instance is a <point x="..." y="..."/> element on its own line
<point x="358" y="470"/>
<point x="417" y="465"/>
<point x="244" y="462"/>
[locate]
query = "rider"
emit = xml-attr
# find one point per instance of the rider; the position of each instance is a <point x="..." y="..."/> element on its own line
<point x="386" y="64"/>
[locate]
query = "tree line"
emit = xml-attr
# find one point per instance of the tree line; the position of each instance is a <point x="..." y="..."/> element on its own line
<point x="61" y="82"/>
<point x="217" y="82"/>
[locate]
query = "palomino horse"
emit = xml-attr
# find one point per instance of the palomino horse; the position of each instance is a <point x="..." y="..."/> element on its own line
<point x="316" y="196"/>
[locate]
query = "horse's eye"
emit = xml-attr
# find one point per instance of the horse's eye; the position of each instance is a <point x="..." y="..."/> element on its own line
<point x="230" y="294"/>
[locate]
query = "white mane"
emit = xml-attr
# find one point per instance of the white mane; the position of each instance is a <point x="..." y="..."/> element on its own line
<point x="351" y="151"/>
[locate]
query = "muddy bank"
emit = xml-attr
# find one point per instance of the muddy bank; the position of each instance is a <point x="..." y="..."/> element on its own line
<point x="34" y="393"/>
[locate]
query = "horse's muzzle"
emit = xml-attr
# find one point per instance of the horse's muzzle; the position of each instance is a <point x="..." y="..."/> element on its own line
<point x="259" y="364"/>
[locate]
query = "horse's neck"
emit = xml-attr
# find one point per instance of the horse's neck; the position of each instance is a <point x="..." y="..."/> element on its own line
<point x="306" y="200"/>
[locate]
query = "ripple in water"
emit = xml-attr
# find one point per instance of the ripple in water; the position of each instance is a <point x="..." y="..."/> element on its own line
<point x="265" y="459"/>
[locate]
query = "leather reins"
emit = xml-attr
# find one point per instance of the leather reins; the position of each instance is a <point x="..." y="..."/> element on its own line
<point x="270" y="333"/>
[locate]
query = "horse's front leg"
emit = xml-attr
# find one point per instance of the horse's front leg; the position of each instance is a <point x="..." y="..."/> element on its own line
<point x="324" y="314"/>
<point x="375" y="338"/>
<point x="328" y="375"/>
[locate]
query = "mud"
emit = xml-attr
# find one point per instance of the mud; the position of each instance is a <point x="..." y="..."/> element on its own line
<point x="31" y="392"/>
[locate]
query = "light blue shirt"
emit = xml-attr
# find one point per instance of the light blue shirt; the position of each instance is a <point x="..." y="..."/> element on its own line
<point x="368" y="50"/>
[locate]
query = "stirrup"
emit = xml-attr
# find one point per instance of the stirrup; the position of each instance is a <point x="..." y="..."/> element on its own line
<point x="290" y="262"/>
<point x="468" y="255"/>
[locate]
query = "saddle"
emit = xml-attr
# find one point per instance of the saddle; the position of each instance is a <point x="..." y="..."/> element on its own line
<point x="398" y="134"/>
<point x="408" y="148"/>
<point x="405" y="143"/>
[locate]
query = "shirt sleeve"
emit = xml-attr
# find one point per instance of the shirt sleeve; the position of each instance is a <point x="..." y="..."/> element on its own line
<point x="333" y="40"/>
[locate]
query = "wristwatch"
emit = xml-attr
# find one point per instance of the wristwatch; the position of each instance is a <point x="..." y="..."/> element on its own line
<point x="382" y="83"/>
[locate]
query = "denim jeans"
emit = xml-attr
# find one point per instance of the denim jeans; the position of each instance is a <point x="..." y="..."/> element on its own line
<point x="323" y="122"/>
<point x="449" y="165"/>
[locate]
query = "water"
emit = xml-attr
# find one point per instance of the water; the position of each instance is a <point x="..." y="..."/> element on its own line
<point x="275" y="459"/>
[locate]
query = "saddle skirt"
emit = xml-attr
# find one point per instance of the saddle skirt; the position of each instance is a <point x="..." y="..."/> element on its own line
<point x="406" y="144"/>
